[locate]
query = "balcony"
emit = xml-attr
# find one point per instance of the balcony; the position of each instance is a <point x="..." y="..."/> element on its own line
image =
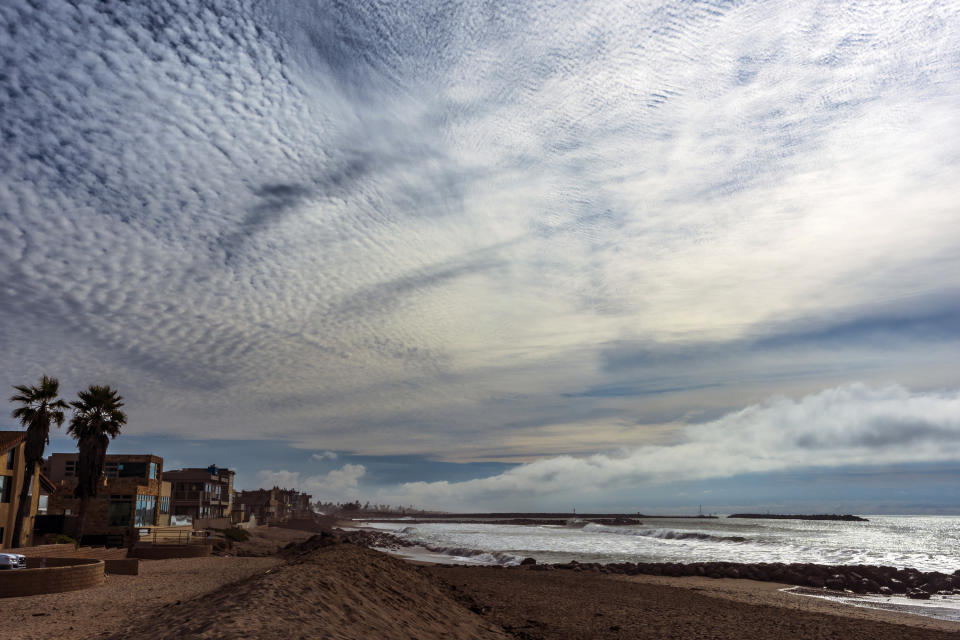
<point x="202" y="497"/>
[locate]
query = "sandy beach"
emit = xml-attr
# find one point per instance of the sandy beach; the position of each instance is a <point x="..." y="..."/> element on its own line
<point x="328" y="589"/>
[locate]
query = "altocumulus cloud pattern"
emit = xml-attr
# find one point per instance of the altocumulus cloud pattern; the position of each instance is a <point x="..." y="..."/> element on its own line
<point x="471" y="228"/>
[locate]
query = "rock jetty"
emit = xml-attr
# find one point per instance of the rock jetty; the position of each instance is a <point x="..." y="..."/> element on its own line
<point x="771" y="516"/>
<point x="860" y="579"/>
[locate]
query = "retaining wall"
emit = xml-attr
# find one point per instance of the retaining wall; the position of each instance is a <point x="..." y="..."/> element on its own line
<point x="70" y="551"/>
<point x="166" y="551"/>
<point x="51" y="575"/>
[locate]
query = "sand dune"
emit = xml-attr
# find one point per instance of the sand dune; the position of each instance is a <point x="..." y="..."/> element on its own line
<point x="339" y="591"/>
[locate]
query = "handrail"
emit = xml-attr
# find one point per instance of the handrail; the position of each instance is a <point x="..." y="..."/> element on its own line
<point x="159" y="536"/>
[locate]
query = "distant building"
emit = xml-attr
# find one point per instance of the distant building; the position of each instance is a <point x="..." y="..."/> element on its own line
<point x="262" y="504"/>
<point x="274" y="505"/>
<point x="132" y="494"/>
<point x="12" y="476"/>
<point x="202" y="493"/>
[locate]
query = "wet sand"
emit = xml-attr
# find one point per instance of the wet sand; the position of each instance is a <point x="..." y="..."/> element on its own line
<point x="562" y="604"/>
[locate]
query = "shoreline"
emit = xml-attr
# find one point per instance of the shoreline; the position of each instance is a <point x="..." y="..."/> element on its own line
<point x="321" y="586"/>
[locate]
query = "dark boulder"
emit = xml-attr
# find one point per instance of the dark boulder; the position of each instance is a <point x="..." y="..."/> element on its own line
<point x="835" y="582"/>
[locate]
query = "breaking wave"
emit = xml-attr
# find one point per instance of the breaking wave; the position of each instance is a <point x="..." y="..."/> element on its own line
<point x="662" y="534"/>
<point x="476" y="555"/>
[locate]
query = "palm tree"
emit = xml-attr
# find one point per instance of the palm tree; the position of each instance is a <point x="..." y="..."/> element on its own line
<point x="96" y="415"/>
<point x="39" y="406"/>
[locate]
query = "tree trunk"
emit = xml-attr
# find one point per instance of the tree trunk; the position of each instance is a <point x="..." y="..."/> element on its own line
<point x="23" y="507"/>
<point x="82" y="517"/>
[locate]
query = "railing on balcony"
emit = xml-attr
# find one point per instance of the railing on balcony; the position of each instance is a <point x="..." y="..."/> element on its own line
<point x="205" y="497"/>
<point x="172" y="535"/>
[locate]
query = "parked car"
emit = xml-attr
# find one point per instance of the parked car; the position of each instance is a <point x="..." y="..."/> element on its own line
<point x="12" y="561"/>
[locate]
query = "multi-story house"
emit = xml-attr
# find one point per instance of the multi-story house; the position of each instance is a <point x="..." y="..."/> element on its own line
<point x="263" y="504"/>
<point x="132" y="494"/>
<point x="275" y="505"/>
<point x="12" y="476"/>
<point x="295" y="504"/>
<point x="202" y="493"/>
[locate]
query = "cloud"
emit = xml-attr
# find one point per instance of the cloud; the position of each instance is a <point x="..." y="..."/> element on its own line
<point x="459" y="233"/>
<point x="339" y="485"/>
<point x="326" y="455"/>
<point x="849" y="426"/>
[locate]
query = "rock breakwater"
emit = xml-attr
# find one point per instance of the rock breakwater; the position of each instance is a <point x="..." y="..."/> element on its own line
<point x="860" y="579"/>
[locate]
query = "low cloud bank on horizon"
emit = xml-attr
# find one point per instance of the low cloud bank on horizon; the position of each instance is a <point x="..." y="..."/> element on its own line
<point x="849" y="426"/>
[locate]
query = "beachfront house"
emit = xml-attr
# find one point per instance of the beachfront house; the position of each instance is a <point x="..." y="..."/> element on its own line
<point x="275" y="505"/>
<point x="12" y="476"/>
<point x="133" y="494"/>
<point x="205" y="495"/>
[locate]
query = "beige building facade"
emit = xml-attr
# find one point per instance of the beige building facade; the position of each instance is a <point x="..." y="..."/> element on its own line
<point x="12" y="476"/>
<point x="132" y="495"/>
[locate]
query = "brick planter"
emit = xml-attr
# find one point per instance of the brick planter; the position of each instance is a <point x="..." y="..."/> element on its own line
<point x="59" y="574"/>
<point x="166" y="551"/>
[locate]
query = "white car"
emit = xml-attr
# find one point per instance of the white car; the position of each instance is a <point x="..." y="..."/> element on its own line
<point x="12" y="561"/>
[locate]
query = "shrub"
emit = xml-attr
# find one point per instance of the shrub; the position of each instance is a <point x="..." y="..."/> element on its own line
<point x="236" y="535"/>
<point x="61" y="538"/>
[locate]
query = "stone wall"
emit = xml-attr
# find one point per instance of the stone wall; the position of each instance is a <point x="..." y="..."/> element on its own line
<point x="166" y="551"/>
<point x="58" y="574"/>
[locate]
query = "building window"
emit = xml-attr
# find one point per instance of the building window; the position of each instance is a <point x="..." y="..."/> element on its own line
<point x="146" y="511"/>
<point x="132" y="470"/>
<point x="42" y="503"/>
<point x="70" y="468"/>
<point x="5" y="482"/>
<point x="164" y="505"/>
<point x="153" y="471"/>
<point x="11" y="458"/>
<point x="110" y="469"/>
<point x="119" y="513"/>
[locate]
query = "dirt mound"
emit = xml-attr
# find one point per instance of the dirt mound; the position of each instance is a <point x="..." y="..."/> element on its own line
<point x="316" y="524"/>
<point x="335" y="591"/>
<point x="363" y="538"/>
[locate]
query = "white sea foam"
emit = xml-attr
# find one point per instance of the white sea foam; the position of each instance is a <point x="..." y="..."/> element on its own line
<point x="924" y="543"/>
<point x="663" y="534"/>
<point x="940" y="606"/>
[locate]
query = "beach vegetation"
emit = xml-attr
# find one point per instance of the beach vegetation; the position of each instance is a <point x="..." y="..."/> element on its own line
<point x="61" y="538"/>
<point x="38" y="407"/>
<point x="97" y="418"/>
<point x="235" y="534"/>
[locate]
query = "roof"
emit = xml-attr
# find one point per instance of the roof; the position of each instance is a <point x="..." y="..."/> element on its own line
<point x="10" y="439"/>
<point x="113" y="457"/>
<point x="46" y="484"/>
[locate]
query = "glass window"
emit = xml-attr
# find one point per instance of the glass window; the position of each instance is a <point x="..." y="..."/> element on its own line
<point x="132" y="470"/>
<point x="146" y="510"/>
<point x="5" y="482"/>
<point x="164" y="504"/>
<point x="119" y="513"/>
<point x="153" y="471"/>
<point x="11" y="457"/>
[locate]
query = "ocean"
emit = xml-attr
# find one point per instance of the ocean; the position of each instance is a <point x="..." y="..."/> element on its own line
<point x="926" y="543"/>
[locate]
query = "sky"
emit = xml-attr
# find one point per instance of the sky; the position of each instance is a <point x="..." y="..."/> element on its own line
<point x="497" y="256"/>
